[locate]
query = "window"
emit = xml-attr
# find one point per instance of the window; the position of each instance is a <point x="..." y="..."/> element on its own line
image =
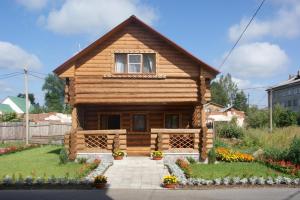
<point x="139" y="123"/>
<point x="135" y="63"/>
<point x="109" y="122"/>
<point x="172" y="121"/>
<point x="295" y="102"/>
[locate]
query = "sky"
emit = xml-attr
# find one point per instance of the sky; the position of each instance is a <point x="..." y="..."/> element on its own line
<point x="42" y="34"/>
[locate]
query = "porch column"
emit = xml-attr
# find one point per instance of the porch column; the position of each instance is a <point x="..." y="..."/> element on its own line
<point x="73" y="136"/>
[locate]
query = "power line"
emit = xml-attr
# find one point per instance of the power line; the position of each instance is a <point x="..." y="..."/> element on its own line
<point x="37" y="72"/>
<point x="36" y="76"/>
<point x="10" y="76"/>
<point x="239" y="38"/>
<point x="254" y="88"/>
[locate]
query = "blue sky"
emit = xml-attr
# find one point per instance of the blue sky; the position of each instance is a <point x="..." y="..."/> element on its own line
<point x="44" y="33"/>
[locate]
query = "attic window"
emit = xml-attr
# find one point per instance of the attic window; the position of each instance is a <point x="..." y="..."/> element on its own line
<point x="135" y="63"/>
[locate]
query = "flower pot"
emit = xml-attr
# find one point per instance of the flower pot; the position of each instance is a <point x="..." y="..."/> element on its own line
<point x="156" y="158"/>
<point x="118" y="157"/>
<point x="100" y="185"/>
<point x="170" y="185"/>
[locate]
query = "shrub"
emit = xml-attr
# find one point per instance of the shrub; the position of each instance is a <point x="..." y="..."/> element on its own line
<point x="7" y="117"/>
<point x="293" y="154"/>
<point x="257" y="118"/>
<point x="63" y="156"/>
<point x="230" y="131"/>
<point x="212" y="156"/>
<point x="191" y="160"/>
<point x="100" y="179"/>
<point x="184" y="165"/>
<point x="275" y="154"/>
<point x="81" y="160"/>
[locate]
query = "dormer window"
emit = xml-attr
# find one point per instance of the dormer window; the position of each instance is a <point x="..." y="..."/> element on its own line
<point x="135" y="63"/>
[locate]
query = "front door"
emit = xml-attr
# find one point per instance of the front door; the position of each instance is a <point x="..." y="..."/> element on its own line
<point x="139" y="135"/>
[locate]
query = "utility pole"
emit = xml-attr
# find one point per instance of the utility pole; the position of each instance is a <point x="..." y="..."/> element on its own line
<point x="248" y="100"/>
<point x="271" y="109"/>
<point x="27" y="105"/>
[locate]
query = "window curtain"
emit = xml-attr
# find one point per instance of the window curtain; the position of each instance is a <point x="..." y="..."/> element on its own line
<point x="148" y="63"/>
<point x="120" y="63"/>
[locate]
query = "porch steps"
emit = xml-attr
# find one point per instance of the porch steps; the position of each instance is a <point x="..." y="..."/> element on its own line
<point x="138" y="151"/>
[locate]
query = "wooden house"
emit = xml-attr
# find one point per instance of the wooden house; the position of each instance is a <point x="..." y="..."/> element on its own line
<point x="137" y="87"/>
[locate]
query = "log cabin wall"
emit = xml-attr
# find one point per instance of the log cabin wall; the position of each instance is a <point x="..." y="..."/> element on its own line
<point x="176" y="78"/>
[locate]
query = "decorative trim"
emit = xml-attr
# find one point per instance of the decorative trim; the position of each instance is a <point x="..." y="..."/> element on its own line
<point x="135" y="76"/>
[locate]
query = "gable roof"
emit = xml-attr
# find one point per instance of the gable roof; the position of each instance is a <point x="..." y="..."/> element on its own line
<point x="4" y="108"/>
<point x="132" y="19"/>
<point x="20" y="102"/>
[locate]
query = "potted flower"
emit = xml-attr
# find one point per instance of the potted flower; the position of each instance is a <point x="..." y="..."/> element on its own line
<point x="170" y="181"/>
<point x="157" y="155"/>
<point x="118" y="155"/>
<point x="100" y="181"/>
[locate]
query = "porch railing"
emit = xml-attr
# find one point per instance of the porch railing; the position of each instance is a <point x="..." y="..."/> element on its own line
<point x="175" y="140"/>
<point x="100" y="140"/>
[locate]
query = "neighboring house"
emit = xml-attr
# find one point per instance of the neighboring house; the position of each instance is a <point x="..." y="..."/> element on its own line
<point x="50" y="117"/>
<point x="219" y="113"/>
<point x="135" y="90"/>
<point x="286" y="93"/>
<point x="16" y="104"/>
<point x="5" y="109"/>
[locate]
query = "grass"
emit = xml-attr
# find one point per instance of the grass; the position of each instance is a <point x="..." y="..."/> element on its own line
<point x="42" y="161"/>
<point x="8" y="144"/>
<point x="240" y="169"/>
<point x="255" y="139"/>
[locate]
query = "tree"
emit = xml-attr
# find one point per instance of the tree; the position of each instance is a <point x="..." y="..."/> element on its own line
<point x="225" y="92"/>
<point x="54" y="96"/>
<point x="240" y="101"/>
<point x="257" y="118"/>
<point x="30" y="97"/>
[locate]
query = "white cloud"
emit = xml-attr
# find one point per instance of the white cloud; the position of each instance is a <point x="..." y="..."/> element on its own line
<point x="256" y="60"/>
<point x="33" y="4"/>
<point x="94" y="16"/>
<point x="285" y="23"/>
<point x="14" y="57"/>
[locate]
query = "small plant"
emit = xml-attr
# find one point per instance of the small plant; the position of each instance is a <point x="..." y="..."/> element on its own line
<point x="63" y="156"/>
<point x="169" y="180"/>
<point x="212" y="156"/>
<point x="100" y="179"/>
<point x="118" y="155"/>
<point x="191" y="160"/>
<point x="81" y="160"/>
<point x="157" y="155"/>
<point x="293" y="154"/>
<point x="230" y="130"/>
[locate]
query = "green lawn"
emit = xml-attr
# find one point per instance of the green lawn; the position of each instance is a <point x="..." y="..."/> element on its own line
<point x="37" y="162"/>
<point x="8" y="144"/>
<point x="240" y="169"/>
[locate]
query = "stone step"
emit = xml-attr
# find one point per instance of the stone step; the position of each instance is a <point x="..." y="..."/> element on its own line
<point x="138" y="151"/>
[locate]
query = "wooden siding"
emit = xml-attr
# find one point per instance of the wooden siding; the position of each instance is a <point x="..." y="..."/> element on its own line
<point x="180" y="85"/>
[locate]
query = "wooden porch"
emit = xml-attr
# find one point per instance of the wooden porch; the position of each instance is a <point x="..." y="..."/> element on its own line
<point x="165" y="140"/>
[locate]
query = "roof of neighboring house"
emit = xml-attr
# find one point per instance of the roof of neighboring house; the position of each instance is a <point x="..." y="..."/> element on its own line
<point x="291" y="81"/>
<point x="4" y="108"/>
<point x="132" y="19"/>
<point x="20" y="102"/>
<point x="215" y="104"/>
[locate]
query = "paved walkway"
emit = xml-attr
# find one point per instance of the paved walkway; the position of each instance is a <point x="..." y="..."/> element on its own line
<point x="136" y="173"/>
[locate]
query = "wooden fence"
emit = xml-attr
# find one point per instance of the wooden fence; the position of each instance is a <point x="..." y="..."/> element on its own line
<point x="41" y="132"/>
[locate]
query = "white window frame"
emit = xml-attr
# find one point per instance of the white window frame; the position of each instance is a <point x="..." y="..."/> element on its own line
<point x="141" y="63"/>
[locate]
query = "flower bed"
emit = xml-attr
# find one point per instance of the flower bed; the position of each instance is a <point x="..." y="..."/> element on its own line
<point x="13" y="149"/>
<point x="283" y="166"/>
<point x="227" y="155"/>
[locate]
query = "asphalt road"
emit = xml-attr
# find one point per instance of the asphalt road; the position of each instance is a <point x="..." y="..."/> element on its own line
<point x="115" y="194"/>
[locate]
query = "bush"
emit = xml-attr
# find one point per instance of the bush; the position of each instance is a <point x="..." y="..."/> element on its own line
<point x="256" y="118"/>
<point x="63" y="156"/>
<point x="8" y="117"/>
<point x="230" y="130"/>
<point x="275" y="154"/>
<point x="81" y="160"/>
<point x="212" y="156"/>
<point x="191" y="160"/>
<point x="293" y="154"/>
